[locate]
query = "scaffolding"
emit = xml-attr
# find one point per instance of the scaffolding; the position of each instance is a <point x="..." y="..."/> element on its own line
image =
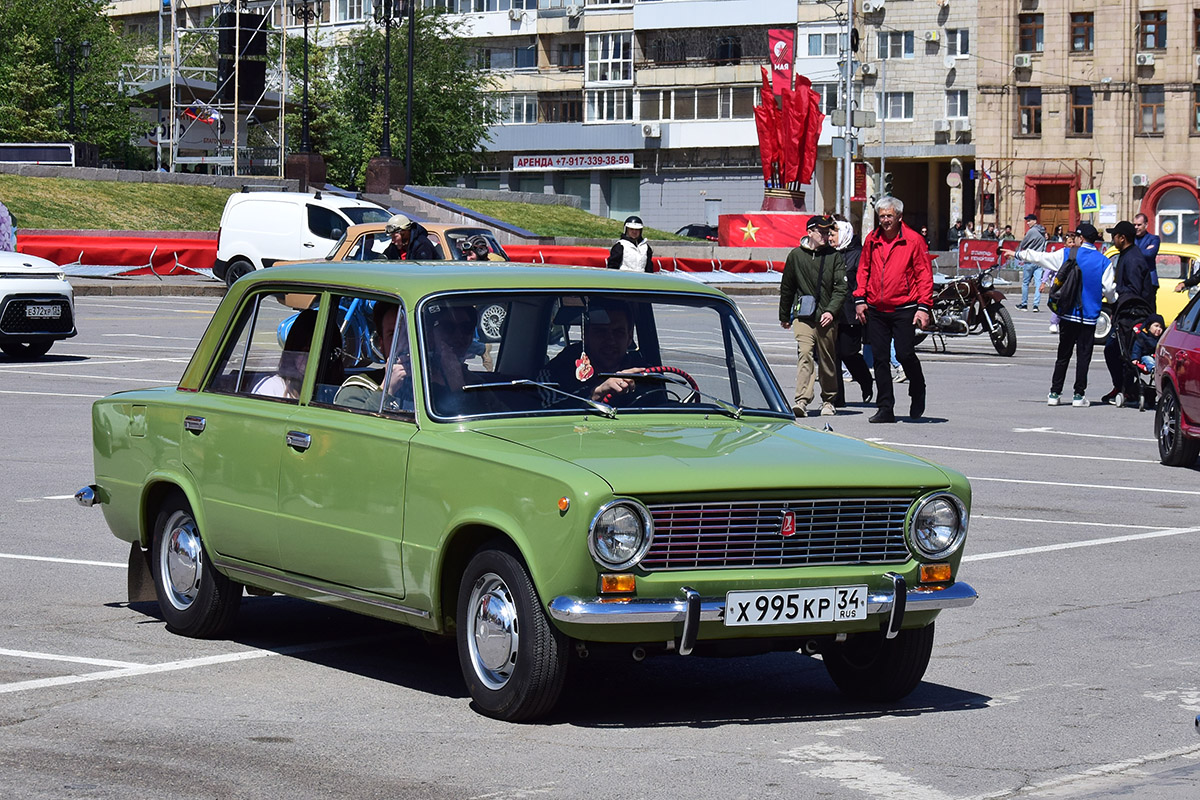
<point x="219" y="76"/>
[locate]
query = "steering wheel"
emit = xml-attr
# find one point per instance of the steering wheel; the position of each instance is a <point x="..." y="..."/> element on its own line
<point x="662" y="370"/>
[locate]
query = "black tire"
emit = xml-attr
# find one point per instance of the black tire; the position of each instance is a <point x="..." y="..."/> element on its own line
<point x="194" y="598"/>
<point x="870" y="667"/>
<point x="520" y="670"/>
<point x="1103" y="325"/>
<point x="1174" y="449"/>
<point x="26" y="350"/>
<point x="1004" y="335"/>
<point x="237" y="269"/>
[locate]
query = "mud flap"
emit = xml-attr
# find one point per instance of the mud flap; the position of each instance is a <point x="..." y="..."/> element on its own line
<point x="139" y="581"/>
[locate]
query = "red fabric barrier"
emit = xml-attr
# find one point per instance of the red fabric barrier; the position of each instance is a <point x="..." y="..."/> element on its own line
<point x="598" y="257"/>
<point x="122" y="251"/>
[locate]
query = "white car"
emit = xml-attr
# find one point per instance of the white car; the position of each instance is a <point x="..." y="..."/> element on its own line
<point x="37" y="305"/>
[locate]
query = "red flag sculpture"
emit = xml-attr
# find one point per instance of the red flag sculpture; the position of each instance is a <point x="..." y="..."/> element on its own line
<point x="787" y="136"/>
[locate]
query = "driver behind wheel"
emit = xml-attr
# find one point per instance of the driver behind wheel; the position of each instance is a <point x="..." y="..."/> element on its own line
<point x="581" y="368"/>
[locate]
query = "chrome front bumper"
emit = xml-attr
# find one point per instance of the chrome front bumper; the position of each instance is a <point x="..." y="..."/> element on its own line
<point x="690" y="609"/>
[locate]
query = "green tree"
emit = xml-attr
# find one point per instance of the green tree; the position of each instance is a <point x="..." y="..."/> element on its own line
<point x="26" y="108"/>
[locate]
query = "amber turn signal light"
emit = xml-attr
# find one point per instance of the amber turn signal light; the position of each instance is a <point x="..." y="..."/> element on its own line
<point x="936" y="573"/>
<point x="617" y="583"/>
<point x="564" y="503"/>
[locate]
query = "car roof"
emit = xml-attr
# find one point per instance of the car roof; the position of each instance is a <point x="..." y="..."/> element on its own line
<point x="331" y="198"/>
<point x="354" y="231"/>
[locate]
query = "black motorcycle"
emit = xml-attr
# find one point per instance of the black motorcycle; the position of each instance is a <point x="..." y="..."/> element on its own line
<point x="968" y="305"/>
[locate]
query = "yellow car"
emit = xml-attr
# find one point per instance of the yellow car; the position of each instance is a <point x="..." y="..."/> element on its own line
<point x="367" y="242"/>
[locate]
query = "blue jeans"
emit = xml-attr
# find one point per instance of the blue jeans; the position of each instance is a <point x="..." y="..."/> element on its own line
<point x="1031" y="272"/>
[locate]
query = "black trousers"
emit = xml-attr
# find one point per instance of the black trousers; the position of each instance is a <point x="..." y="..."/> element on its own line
<point x="1077" y="337"/>
<point x="883" y="328"/>
<point x="849" y="351"/>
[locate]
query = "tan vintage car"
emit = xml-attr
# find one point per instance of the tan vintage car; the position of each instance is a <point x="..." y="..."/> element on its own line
<point x="367" y="242"/>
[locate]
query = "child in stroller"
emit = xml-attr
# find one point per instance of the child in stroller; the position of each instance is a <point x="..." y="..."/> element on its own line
<point x="1133" y="320"/>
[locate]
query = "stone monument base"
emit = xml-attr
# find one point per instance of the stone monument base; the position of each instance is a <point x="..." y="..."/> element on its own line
<point x="307" y="168"/>
<point x="384" y="173"/>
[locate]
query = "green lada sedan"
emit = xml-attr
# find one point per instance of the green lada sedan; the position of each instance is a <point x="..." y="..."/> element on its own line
<point x="544" y="463"/>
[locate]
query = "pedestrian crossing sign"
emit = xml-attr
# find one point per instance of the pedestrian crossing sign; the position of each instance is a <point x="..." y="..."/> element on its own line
<point x="1089" y="201"/>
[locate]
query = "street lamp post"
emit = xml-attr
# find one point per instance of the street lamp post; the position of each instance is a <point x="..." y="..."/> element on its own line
<point x="76" y="61"/>
<point x="307" y="11"/>
<point x="408" y="122"/>
<point x="385" y="15"/>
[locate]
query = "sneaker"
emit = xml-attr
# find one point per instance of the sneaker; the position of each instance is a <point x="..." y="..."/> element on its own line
<point x="1035" y="309"/>
<point x="882" y="415"/>
<point x="827" y="410"/>
<point x="1054" y="327"/>
<point x="1052" y="399"/>
<point x="1022" y="306"/>
<point x="899" y="377"/>
<point x="1110" y="397"/>
<point x="1079" y="401"/>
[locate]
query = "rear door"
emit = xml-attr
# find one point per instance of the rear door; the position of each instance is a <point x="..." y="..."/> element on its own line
<point x="321" y="230"/>
<point x="1187" y="361"/>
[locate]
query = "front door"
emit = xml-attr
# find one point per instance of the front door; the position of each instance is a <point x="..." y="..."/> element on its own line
<point x="1054" y="206"/>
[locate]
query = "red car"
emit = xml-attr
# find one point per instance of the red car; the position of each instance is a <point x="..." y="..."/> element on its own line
<point x="1177" y="378"/>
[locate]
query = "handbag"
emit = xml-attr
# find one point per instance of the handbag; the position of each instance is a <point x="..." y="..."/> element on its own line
<point x="804" y="307"/>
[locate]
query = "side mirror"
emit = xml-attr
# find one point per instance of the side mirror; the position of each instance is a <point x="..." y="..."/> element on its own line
<point x="336" y="233"/>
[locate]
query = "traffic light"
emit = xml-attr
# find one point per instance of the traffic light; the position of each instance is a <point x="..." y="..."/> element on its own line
<point x="886" y="185"/>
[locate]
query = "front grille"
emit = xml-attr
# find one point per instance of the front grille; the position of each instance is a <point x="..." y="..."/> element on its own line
<point x="15" y="322"/>
<point x="747" y="534"/>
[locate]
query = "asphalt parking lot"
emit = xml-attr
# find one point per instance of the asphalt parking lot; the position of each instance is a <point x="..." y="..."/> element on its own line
<point x="1076" y="674"/>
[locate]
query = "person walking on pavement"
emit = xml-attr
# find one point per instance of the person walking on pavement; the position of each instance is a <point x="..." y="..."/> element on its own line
<point x="811" y="292"/>
<point x="1134" y="279"/>
<point x="850" y="333"/>
<point x="631" y="253"/>
<point x="893" y="295"/>
<point x="1035" y="239"/>
<point x="1076" y="325"/>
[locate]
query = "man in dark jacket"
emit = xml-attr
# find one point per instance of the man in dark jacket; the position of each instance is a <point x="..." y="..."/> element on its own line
<point x="850" y="333"/>
<point x="1134" y="280"/>
<point x="410" y="240"/>
<point x="894" y="294"/>
<point x="811" y="292"/>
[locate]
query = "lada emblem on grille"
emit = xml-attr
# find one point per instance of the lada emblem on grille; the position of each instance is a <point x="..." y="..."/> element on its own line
<point x="788" y="528"/>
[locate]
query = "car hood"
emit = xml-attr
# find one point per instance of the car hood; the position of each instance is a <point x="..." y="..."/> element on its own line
<point x="721" y="456"/>
<point x="24" y="264"/>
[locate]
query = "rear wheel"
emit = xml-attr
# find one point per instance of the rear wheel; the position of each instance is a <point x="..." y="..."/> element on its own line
<point x="513" y="659"/>
<point x="195" y="599"/>
<point x="1004" y="332"/>
<point x="1103" y="324"/>
<point x="1174" y="449"/>
<point x="870" y="667"/>
<point x="26" y="349"/>
<point x="237" y="269"/>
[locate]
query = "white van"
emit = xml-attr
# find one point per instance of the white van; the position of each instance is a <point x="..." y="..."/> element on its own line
<point x="261" y="228"/>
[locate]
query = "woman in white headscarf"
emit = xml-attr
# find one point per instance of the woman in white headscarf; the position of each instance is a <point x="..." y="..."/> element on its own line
<point x="850" y="333"/>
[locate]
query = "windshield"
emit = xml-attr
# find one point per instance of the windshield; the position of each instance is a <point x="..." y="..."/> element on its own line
<point x="519" y="353"/>
<point x="360" y="214"/>
<point x="474" y="244"/>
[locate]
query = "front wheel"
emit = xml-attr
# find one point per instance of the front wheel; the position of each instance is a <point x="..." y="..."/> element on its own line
<point x="1174" y="449"/>
<point x="870" y="667"/>
<point x="26" y="350"/>
<point x="1004" y="332"/>
<point x="195" y="599"/>
<point x="236" y="270"/>
<point x="513" y="659"/>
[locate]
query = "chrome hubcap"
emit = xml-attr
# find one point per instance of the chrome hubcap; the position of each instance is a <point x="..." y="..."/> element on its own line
<point x="494" y="634"/>
<point x="182" y="561"/>
<point x="1166" y="431"/>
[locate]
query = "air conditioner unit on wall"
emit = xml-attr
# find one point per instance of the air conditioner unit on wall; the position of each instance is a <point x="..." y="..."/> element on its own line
<point x="574" y="10"/>
<point x="1140" y="179"/>
<point x="962" y="125"/>
<point x="869" y="69"/>
<point x="515" y="14"/>
<point x="1145" y="59"/>
<point x="931" y="35"/>
<point x="652" y="130"/>
<point x="941" y="125"/>
<point x="871" y="6"/>
<point x="1023" y="61"/>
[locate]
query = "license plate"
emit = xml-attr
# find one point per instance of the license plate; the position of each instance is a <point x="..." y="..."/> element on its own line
<point x="43" y="312"/>
<point x="796" y="606"/>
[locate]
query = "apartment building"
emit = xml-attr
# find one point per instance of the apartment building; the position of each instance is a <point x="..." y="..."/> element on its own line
<point x="1082" y="94"/>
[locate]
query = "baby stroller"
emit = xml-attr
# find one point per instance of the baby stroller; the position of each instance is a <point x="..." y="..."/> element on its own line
<point x="1128" y="317"/>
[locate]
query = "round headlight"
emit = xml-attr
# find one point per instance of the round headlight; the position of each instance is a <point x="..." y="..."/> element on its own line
<point x="986" y="280"/>
<point x="620" y="535"/>
<point x="939" y="525"/>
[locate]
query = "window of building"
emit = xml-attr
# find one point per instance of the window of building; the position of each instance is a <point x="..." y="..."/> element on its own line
<point x="516" y="109"/>
<point x="894" y="105"/>
<point x="1196" y="29"/>
<point x="1029" y="33"/>
<point x="822" y="44"/>
<point x="956" y="104"/>
<point x="729" y="50"/>
<point x="570" y="55"/>
<point x="1081" y="111"/>
<point x="1029" y="111"/>
<point x="895" y="44"/>
<point x="828" y="92"/>
<point x="1083" y="32"/>
<point x="1151" y="105"/>
<point x="958" y="42"/>
<point x="1196" y="107"/>
<point x="726" y="102"/>
<point x="560" y="107"/>
<point x="612" y="105"/>
<point x="610" y="58"/>
<point x="508" y="58"/>
<point x="1153" y="35"/>
<point x="349" y="9"/>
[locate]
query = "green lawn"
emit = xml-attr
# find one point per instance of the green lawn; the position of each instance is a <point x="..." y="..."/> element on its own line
<point x="63" y="203"/>
<point x="554" y="220"/>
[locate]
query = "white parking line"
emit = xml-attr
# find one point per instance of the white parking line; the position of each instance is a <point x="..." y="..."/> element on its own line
<point x="1014" y="452"/>
<point x="1085" y="485"/>
<point x="96" y="662"/>
<point x="123" y="379"/>
<point x="1087" y="435"/>
<point x="54" y="394"/>
<point x="860" y="772"/>
<point x="1050" y="548"/>
<point x="173" y="666"/>
<point x="79" y="561"/>
<point x="1121" y="525"/>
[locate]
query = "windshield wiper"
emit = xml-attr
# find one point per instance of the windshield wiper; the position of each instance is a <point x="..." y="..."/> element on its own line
<point x="678" y="380"/>
<point x="600" y="408"/>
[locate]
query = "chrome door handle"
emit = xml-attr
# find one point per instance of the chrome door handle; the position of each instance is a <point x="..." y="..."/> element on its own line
<point x="298" y="441"/>
<point x="194" y="424"/>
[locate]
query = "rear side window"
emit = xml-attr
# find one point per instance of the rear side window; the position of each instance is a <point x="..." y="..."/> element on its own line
<point x="1190" y="316"/>
<point x="325" y="222"/>
<point x="268" y="353"/>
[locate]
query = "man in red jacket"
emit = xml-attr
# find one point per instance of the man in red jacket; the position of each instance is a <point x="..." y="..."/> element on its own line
<point x="893" y="298"/>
